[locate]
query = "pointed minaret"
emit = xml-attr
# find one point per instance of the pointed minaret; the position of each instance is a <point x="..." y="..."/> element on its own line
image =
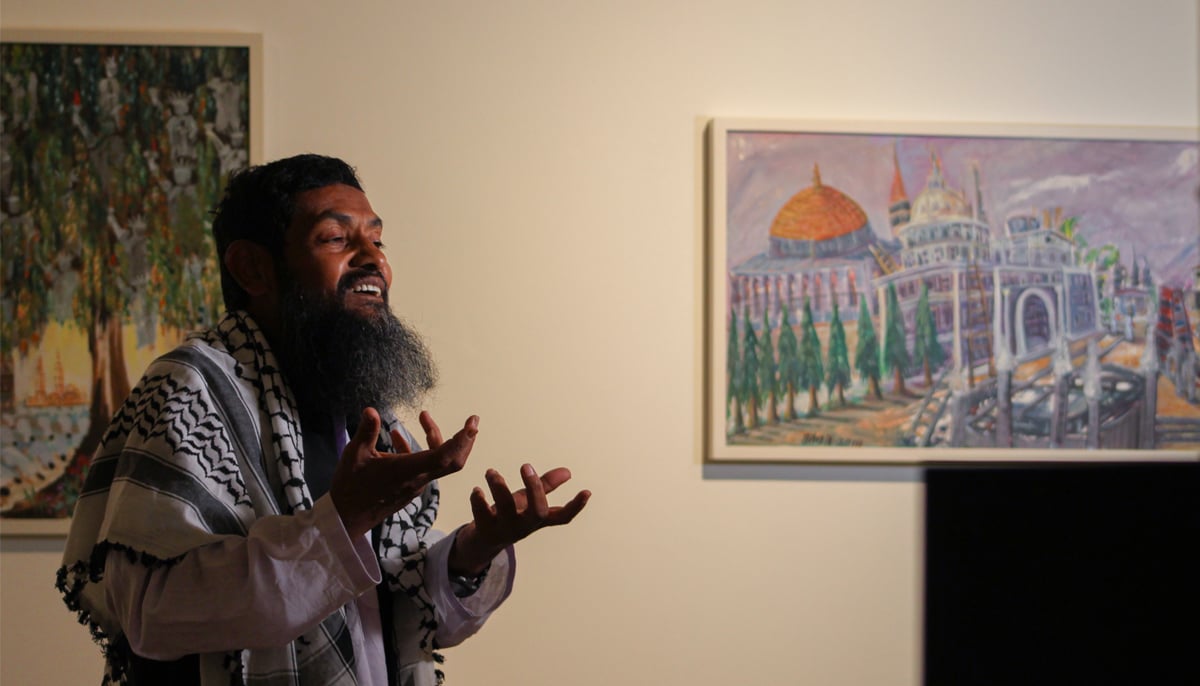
<point x="980" y="214"/>
<point x="936" y="180"/>
<point x="899" y="209"/>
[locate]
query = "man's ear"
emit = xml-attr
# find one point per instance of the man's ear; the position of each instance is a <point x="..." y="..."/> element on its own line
<point x="252" y="266"/>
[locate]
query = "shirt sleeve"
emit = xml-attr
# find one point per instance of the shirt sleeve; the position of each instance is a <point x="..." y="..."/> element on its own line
<point x="459" y="618"/>
<point x="287" y="575"/>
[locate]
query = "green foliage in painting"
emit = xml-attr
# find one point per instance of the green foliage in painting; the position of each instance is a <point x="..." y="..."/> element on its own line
<point x="926" y="348"/>
<point x="113" y="158"/>
<point x="895" y="346"/>
<point x="837" y="375"/>
<point x="751" y="391"/>
<point x="812" y="372"/>
<point x="866" y="350"/>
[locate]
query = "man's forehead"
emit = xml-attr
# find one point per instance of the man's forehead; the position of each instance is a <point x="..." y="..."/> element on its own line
<point x="337" y="202"/>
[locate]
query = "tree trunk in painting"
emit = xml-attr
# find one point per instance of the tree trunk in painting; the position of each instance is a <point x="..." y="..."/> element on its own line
<point x="110" y="379"/>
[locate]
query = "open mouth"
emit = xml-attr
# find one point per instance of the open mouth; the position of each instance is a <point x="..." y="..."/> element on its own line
<point x="369" y="288"/>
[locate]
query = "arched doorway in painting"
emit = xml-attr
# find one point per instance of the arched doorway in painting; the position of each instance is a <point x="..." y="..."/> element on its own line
<point x="1035" y="322"/>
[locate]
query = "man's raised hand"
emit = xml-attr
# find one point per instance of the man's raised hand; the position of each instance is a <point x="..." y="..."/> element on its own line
<point x="368" y="486"/>
<point x="512" y="516"/>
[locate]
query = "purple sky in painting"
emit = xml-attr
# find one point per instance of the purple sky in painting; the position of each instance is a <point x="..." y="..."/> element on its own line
<point x="1140" y="196"/>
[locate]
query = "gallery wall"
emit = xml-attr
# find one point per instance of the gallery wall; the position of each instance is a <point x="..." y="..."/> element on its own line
<point x="539" y="168"/>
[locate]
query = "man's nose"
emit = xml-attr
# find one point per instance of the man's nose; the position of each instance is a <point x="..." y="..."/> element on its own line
<point x="367" y="254"/>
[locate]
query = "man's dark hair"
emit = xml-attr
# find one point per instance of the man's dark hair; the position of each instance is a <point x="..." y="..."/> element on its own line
<point x="259" y="203"/>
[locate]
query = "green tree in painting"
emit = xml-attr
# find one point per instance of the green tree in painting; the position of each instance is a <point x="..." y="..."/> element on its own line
<point x="750" y="388"/>
<point x="838" y="358"/>
<point x="866" y="351"/>
<point x="926" y="348"/>
<point x="789" y="364"/>
<point x="767" y="368"/>
<point x="895" y="345"/>
<point x="812" y="373"/>
<point x="733" y="371"/>
<point x="108" y="181"/>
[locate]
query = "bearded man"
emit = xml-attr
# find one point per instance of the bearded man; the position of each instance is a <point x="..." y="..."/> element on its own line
<point x="256" y="514"/>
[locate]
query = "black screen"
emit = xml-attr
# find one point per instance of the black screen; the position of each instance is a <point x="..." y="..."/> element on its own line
<point x="1052" y="574"/>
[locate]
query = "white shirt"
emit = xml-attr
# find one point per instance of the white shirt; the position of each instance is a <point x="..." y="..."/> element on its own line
<point x="282" y="579"/>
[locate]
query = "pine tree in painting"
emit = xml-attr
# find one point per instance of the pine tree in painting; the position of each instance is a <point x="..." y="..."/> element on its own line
<point x="789" y="364"/>
<point x="812" y="373"/>
<point x="767" y="368"/>
<point x="866" y="351"/>
<point x="838" y="358"/>
<point x="733" y="371"/>
<point x="895" y="346"/>
<point x="749" y="372"/>
<point x="926" y="348"/>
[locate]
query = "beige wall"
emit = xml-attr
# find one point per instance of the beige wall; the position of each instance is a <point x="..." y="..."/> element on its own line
<point x="537" y="165"/>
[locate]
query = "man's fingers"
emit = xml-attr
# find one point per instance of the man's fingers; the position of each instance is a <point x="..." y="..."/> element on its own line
<point x="480" y="510"/>
<point x="555" y="478"/>
<point x="433" y="435"/>
<point x="399" y="443"/>
<point x="501" y="496"/>
<point x="535" y="493"/>
<point x="566" y="513"/>
<point x="451" y="456"/>
<point x="368" y="430"/>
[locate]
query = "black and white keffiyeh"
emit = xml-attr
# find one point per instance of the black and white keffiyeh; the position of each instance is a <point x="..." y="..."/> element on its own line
<point x="213" y="425"/>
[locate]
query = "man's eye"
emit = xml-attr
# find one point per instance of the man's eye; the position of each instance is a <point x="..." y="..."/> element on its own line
<point x="380" y="245"/>
<point x="334" y="239"/>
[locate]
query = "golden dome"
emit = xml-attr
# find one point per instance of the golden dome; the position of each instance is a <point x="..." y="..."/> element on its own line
<point x="818" y="213"/>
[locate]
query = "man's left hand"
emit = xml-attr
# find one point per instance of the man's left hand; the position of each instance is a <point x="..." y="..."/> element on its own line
<point x="512" y="516"/>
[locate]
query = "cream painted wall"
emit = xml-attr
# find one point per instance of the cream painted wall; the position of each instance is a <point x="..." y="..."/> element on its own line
<point x="537" y="165"/>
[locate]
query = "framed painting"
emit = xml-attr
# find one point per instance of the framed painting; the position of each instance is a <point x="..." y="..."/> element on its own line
<point x="908" y="293"/>
<point x="115" y="148"/>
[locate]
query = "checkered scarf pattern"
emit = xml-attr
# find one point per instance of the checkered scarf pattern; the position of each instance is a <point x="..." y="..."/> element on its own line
<point x="213" y="424"/>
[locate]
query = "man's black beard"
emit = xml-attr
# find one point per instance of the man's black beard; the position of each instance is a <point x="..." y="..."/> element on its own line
<point x="339" y="362"/>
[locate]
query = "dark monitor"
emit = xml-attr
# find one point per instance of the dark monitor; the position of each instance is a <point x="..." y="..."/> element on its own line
<point x="1062" y="574"/>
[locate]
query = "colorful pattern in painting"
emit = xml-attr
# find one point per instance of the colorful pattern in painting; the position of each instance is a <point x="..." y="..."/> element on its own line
<point x="113" y="156"/>
<point x="966" y="292"/>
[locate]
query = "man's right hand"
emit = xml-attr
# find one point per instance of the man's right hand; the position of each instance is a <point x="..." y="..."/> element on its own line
<point x="368" y="486"/>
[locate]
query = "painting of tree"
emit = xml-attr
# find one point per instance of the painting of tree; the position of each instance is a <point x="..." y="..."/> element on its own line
<point x="789" y="364"/>
<point x="733" y="370"/>
<point x="895" y="342"/>
<point x="926" y="348"/>
<point x="751" y="391"/>
<point x="812" y="372"/>
<point x="767" y="368"/>
<point x="838" y="372"/>
<point x="866" y="351"/>
<point x="113" y="157"/>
